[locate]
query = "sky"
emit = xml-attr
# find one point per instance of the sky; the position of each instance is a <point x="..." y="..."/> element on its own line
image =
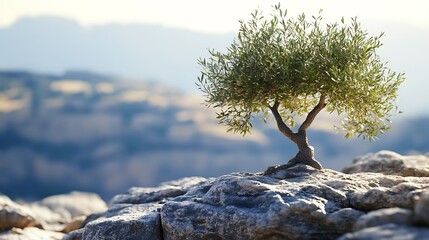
<point x="206" y="15"/>
<point x="221" y="16"/>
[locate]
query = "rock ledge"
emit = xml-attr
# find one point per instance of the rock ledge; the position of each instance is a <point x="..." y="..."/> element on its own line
<point x="295" y="203"/>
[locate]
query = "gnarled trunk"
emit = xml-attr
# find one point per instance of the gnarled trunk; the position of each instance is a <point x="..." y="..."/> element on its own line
<point x="305" y="153"/>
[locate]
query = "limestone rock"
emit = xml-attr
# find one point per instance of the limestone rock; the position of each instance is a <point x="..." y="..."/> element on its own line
<point x="63" y="212"/>
<point x="14" y="215"/>
<point x="135" y="215"/>
<point x="48" y="219"/>
<point x="55" y="214"/>
<point x="125" y="221"/>
<point x="386" y="192"/>
<point x="167" y="190"/>
<point x="75" y="204"/>
<point x="389" y="232"/>
<point x="30" y="233"/>
<point x="384" y="216"/>
<point x="75" y="223"/>
<point x="297" y="203"/>
<point x="391" y="163"/>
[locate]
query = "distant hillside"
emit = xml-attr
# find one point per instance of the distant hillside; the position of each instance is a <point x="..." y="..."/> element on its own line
<point x="83" y="131"/>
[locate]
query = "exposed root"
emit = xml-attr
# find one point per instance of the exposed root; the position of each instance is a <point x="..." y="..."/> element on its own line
<point x="294" y="161"/>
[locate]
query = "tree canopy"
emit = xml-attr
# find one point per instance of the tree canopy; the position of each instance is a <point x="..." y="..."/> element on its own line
<point x="293" y="64"/>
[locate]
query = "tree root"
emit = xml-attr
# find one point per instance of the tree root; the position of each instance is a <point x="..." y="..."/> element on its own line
<point x="294" y="161"/>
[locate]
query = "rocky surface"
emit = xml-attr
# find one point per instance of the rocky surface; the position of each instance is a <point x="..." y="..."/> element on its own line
<point x="126" y="221"/>
<point x="14" y="215"/>
<point x="391" y="163"/>
<point x="49" y="218"/>
<point x="399" y="216"/>
<point x="31" y="233"/>
<point x="299" y="203"/>
<point x="296" y="203"/>
<point x="165" y="191"/>
<point x="135" y="215"/>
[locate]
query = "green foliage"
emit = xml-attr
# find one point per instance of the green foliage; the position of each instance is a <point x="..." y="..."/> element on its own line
<point x="294" y="62"/>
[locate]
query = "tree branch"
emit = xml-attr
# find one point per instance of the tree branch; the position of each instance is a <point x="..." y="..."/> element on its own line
<point x="280" y="124"/>
<point x="312" y="114"/>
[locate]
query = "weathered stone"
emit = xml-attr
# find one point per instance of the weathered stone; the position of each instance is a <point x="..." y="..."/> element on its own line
<point x="239" y="206"/>
<point x="134" y="214"/>
<point x="30" y="233"/>
<point x="295" y="203"/>
<point x="126" y="221"/>
<point x="391" y="163"/>
<point x="14" y="215"/>
<point x="75" y="204"/>
<point x="421" y="209"/>
<point x="386" y="192"/>
<point x="384" y="216"/>
<point x="167" y="190"/>
<point x="389" y="232"/>
<point x="48" y="219"/>
<point x="75" y="223"/>
<point x="60" y="212"/>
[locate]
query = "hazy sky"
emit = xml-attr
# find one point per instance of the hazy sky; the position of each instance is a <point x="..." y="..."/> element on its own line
<point x="218" y="16"/>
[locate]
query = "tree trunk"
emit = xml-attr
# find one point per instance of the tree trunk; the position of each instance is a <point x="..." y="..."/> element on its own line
<point x="305" y="153"/>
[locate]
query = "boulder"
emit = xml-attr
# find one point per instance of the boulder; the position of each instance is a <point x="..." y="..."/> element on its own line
<point x="53" y="216"/>
<point x="74" y="204"/>
<point x="65" y="212"/>
<point x="48" y="219"/>
<point x="386" y="192"/>
<point x="75" y="223"/>
<point x="391" y="163"/>
<point x="14" y="215"/>
<point x="296" y="203"/>
<point x="135" y="214"/>
<point x="126" y="221"/>
<point x="384" y="216"/>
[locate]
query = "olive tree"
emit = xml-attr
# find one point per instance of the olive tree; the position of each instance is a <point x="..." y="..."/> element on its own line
<point x="292" y="67"/>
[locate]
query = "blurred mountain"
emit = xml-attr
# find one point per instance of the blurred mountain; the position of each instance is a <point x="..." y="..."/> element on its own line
<point x="88" y="132"/>
<point x="169" y="55"/>
<point x="53" y="44"/>
<point x="104" y="134"/>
